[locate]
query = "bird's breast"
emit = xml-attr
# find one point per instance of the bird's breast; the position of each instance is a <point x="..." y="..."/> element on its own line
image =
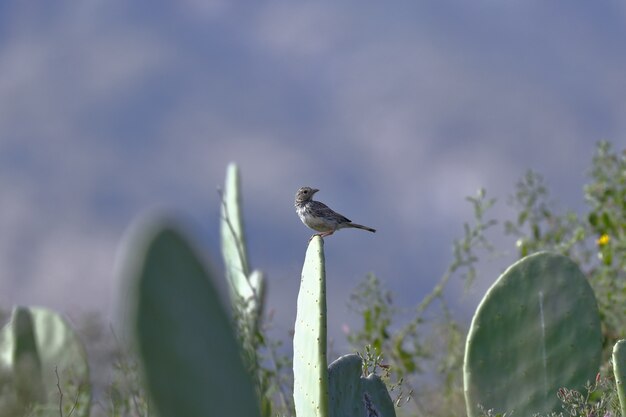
<point x="317" y="223"/>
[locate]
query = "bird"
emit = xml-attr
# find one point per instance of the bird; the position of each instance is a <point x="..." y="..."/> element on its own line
<point x="319" y="217"/>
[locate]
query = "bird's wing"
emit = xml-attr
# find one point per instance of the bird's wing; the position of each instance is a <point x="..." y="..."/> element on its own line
<point x="323" y="210"/>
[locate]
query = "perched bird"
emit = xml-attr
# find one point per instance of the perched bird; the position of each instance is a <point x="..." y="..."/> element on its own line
<point x="319" y="217"/>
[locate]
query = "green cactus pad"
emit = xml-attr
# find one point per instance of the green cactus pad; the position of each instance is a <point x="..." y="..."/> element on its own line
<point x="27" y="376"/>
<point x="232" y="232"/>
<point x="619" y="368"/>
<point x="35" y="346"/>
<point x="537" y="329"/>
<point x="245" y="287"/>
<point x="310" y="379"/>
<point x="351" y="394"/>
<point x="188" y="350"/>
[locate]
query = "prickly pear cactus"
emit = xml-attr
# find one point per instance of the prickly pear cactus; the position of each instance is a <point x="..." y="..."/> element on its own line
<point x="352" y="394"/>
<point x="245" y="287"/>
<point x="36" y="346"/>
<point x="187" y="347"/>
<point x="619" y="368"/>
<point x="310" y="374"/>
<point x="536" y="329"/>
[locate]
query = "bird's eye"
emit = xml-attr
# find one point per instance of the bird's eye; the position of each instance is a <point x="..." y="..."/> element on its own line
<point x="305" y="191"/>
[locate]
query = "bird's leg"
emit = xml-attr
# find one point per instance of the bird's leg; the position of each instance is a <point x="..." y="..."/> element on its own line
<point x="330" y="232"/>
<point x="322" y="234"/>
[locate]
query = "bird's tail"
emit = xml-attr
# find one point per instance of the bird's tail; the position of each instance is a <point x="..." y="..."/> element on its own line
<point x="360" y="226"/>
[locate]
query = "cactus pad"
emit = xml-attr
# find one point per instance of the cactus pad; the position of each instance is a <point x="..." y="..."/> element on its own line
<point x="190" y="356"/>
<point x="352" y="394"/>
<point x="310" y="377"/>
<point x="35" y="346"/>
<point x="246" y="288"/>
<point x="536" y="329"/>
<point x="619" y="368"/>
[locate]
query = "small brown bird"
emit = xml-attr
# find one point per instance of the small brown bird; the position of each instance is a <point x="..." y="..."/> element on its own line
<point x="319" y="217"/>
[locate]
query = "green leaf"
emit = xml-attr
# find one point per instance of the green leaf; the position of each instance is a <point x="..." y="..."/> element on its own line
<point x="593" y="219"/>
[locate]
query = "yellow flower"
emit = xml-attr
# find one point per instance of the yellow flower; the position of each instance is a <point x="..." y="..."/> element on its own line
<point x="603" y="240"/>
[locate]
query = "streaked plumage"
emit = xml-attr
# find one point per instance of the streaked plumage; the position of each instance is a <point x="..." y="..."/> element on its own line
<point x="319" y="217"/>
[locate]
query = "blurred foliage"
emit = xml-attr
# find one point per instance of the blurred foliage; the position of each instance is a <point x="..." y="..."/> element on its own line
<point x="125" y="395"/>
<point x="599" y="398"/>
<point x="268" y="364"/>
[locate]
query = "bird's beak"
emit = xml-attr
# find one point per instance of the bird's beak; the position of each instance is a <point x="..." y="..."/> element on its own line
<point x="314" y="190"/>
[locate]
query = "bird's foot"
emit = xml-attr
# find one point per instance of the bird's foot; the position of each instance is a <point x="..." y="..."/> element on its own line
<point x="321" y="234"/>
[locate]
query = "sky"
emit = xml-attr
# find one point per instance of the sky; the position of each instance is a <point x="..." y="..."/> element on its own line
<point x="396" y="112"/>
